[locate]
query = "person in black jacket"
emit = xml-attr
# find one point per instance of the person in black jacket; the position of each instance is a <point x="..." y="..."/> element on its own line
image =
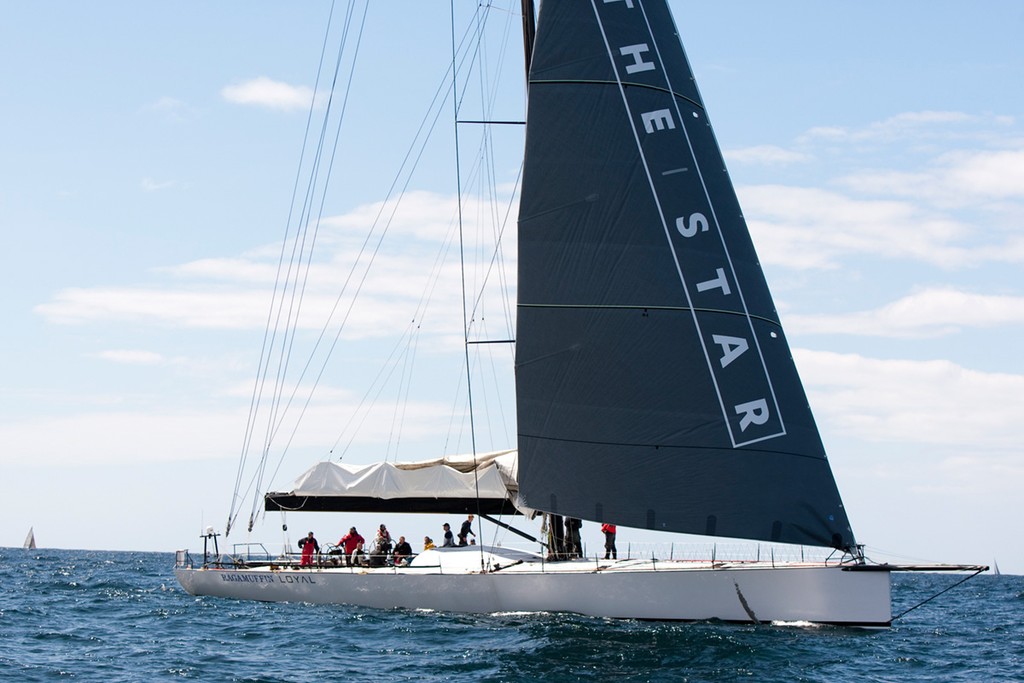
<point x="403" y="551"/>
<point x="466" y="531"/>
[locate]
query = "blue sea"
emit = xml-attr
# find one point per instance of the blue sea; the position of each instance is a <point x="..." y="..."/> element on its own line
<point x="74" y="615"/>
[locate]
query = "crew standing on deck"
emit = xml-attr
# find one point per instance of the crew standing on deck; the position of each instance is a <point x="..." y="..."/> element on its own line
<point x="573" y="541"/>
<point x="609" y="541"/>
<point x="309" y="546"/>
<point x="466" y="531"/>
<point x="350" y="541"/>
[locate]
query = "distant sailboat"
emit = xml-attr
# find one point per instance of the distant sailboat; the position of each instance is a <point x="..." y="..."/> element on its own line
<point x="30" y="540"/>
<point x="995" y="568"/>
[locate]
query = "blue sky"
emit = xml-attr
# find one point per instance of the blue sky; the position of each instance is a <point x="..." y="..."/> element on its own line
<point x="148" y="159"/>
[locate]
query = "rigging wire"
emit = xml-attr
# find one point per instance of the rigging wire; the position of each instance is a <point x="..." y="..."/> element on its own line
<point x="365" y="273"/>
<point x="948" y="588"/>
<point x="293" y="272"/>
<point x="403" y="401"/>
<point x="456" y="106"/>
<point x="409" y="163"/>
<point x="378" y="379"/>
<point x="258" y="384"/>
<point x="406" y="340"/>
<point x="323" y="195"/>
<point x="298" y="250"/>
<point x="406" y="172"/>
<point x="488" y="188"/>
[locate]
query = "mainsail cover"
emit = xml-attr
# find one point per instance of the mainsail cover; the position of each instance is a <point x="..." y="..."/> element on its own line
<point x="484" y="483"/>
<point x="655" y="386"/>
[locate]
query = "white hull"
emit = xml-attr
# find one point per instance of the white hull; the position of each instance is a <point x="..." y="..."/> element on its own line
<point x="664" y="590"/>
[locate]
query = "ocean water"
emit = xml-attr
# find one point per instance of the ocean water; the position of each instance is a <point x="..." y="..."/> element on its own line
<point x="73" y="615"/>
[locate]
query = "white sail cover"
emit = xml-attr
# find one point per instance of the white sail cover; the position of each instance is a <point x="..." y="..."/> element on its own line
<point x="443" y="478"/>
<point x="459" y="478"/>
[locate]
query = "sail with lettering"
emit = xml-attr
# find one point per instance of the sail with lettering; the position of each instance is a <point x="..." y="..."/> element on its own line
<point x="655" y="386"/>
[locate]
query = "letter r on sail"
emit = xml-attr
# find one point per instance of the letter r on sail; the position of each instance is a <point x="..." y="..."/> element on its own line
<point x="636" y="52"/>
<point x="752" y="412"/>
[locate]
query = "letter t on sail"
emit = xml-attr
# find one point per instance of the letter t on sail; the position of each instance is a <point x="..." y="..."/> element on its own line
<point x="718" y="283"/>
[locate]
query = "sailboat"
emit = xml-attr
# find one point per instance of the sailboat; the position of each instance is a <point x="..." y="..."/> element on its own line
<point x="30" y="540"/>
<point x="655" y="388"/>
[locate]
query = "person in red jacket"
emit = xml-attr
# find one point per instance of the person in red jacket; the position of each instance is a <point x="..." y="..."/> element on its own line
<point x="309" y="546"/>
<point x="609" y="541"/>
<point x="351" y="540"/>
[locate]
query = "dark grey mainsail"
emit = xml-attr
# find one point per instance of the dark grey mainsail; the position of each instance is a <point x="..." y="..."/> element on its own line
<point x="655" y="387"/>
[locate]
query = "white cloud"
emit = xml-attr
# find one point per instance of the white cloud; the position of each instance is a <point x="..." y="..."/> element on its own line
<point x="416" y="276"/>
<point x="954" y="179"/>
<point x="380" y="313"/>
<point x="177" y="436"/>
<point x="419" y="215"/>
<point x="167" y="104"/>
<point x="998" y="174"/>
<point x="265" y="92"/>
<point x="150" y="185"/>
<point x="216" y="309"/>
<point x="171" y="109"/>
<point x="928" y="313"/>
<point x="237" y="270"/>
<point x="932" y="203"/>
<point x="914" y="402"/>
<point x="908" y="126"/>
<point x="768" y="155"/>
<point x="131" y="357"/>
<point x="120" y="436"/>
<point x="813" y="228"/>
<point x="973" y="470"/>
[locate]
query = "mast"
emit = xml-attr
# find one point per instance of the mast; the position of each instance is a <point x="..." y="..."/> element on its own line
<point x="529" y="33"/>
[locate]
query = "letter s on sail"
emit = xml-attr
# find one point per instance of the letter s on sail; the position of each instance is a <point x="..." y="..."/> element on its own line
<point x="698" y="223"/>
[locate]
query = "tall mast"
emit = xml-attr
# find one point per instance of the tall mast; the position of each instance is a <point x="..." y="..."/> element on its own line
<point x="529" y="32"/>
